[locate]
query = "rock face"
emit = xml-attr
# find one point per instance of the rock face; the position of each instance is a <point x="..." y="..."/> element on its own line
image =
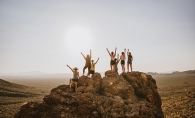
<point x="128" y="95"/>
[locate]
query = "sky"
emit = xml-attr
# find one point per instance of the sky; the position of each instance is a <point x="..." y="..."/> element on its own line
<point x="46" y="35"/>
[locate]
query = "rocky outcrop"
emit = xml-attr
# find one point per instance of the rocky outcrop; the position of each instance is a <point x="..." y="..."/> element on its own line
<point x="128" y="95"/>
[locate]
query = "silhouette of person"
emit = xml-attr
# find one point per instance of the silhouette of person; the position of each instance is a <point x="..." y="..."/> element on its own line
<point x="117" y="60"/>
<point x="122" y="58"/>
<point x="75" y="78"/>
<point x="87" y="63"/>
<point x="129" y="61"/>
<point x="92" y="71"/>
<point x="112" y="61"/>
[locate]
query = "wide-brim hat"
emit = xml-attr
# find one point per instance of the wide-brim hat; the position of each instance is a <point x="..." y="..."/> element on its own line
<point x="75" y="68"/>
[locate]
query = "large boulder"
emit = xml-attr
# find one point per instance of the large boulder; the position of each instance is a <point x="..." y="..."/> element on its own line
<point x="128" y="95"/>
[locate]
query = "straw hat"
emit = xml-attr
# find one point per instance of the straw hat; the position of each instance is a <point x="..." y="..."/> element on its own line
<point x="75" y="68"/>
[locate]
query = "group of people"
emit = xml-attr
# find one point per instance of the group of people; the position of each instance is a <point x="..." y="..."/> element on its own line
<point x="90" y="65"/>
<point x="114" y="61"/>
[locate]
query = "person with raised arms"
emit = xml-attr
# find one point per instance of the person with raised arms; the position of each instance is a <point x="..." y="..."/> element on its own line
<point x="87" y="63"/>
<point x="92" y="71"/>
<point x="112" y="61"/>
<point x="75" y="78"/>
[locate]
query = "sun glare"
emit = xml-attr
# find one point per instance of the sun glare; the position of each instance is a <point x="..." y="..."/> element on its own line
<point x="78" y="39"/>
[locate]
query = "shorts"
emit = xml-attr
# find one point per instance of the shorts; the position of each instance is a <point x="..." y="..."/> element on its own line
<point x="112" y="62"/>
<point x="75" y="80"/>
<point x="122" y="61"/>
<point x="92" y="71"/>
<point x="129" y="62"/>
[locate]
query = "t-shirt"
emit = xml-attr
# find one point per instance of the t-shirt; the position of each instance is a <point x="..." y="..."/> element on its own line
<point x="93" y="66"/>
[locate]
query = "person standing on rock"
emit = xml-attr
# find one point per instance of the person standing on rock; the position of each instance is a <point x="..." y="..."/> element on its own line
<point x="92" y="71"/>
<point x="87" y="63"/>
<point x="129" y="61"/>
<point x="117" y="60"/>
<point x="75" y="78"/>
<point x="112" y="61"/>
<point x="122" y="58"/>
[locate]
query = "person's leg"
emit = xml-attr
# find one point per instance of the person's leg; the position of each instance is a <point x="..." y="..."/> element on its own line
<point x="127" y="67"/>
<point x="84" y="69"/>
<point x="75" y="86"/>
<point x="70" y="82"/>
<point x="131" y="67"/>
<point x="89" y="67"/>
<point x="111" y="67"/>
<point x="124" y="66"/>
<point x="114" y="68"/>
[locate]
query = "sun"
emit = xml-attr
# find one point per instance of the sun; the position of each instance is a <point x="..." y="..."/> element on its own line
<point x="78" y="39"/>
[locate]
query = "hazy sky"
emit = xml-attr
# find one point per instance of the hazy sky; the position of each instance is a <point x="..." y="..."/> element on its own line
<point x="45" y="35"/>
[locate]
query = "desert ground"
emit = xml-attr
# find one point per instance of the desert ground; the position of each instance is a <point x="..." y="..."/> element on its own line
<point x="177" y="91"/>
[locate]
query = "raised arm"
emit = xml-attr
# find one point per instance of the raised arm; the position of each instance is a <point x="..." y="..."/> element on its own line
<point x="83" y="55"/>
<point x="97" y="60"/>
<point x="90" y="54"/>
<point x="108" y="51"/>
<point x="115" y="51"/>
<point x="127" y="52"/>
<point x="70" y="68"/>
<point x="118" y="57"/>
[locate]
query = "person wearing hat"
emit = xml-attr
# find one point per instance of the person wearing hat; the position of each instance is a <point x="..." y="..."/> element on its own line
<point x="129" y="61"/>
<point x="112" y="61"/>
<point x="87" y="63"/>
<point x="122" y="58"/>
<point x="75" y="78"/>
<point x="92" y="71"/>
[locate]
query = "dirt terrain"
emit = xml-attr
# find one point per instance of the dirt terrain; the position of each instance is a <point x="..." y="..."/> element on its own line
<point x="177" y="92"/>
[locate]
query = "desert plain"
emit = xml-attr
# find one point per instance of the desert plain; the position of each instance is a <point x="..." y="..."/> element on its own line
<point x="177" y="91"/>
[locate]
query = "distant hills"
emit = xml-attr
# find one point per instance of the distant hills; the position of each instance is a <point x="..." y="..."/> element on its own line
<point x="15" y="90"/>
<point x="174" y="72"/>
<point x="34" y="74"/>
<point x="186" y="72"/>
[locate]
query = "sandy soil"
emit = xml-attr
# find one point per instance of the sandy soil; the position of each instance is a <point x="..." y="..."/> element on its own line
<point x="177" y="93"/>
